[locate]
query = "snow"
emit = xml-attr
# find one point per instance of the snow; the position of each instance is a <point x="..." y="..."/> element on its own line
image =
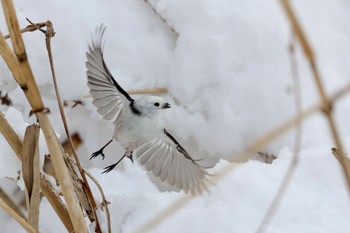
<point x="229" y="79"/>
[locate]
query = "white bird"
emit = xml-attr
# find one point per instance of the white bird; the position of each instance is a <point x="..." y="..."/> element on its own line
<point x="138" y="125"/>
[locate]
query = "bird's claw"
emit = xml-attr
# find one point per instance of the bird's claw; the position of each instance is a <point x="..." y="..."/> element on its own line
<point x="97" y="153"/>
<point x="131" y="158"/>
<point x="108" y="169"/>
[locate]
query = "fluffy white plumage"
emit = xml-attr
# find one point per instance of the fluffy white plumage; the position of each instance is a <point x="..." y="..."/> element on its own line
<point x="138" y="125"/>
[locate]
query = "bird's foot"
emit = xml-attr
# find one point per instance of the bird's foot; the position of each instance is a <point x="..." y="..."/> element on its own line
<point x="97" y="153"/>
<point x="130" y="157"/>
<point x="109" y="168"/>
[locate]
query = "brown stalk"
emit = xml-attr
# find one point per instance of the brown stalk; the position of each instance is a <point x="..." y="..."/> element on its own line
<point x="335" y="152"/>
<point x="104" y="200"/>
<point x="11" y="136"/>
<point x="90" y="206"/>
<point x="176" y="34"/>
<point x="29" y="28"/>
<point x="159" y="90"/>
<point x="76" y="142"/>
<point x="22" y="72"/>
<point x="261" y="142"/>
<point x="50" y="193"/>
<point x="31" y="173"/>
<point x="326" y="103"/>
<point x="11" y="204"/>
<point x="55" y="201"/>
<point x="18" y="218"/>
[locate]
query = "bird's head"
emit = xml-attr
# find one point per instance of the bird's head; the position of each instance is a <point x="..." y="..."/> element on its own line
<point x="150" y="105"/>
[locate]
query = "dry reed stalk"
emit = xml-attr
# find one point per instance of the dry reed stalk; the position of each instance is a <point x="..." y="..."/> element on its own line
<point x="158" y="90"/>
<point x="176" y="34"/>
<point x="337" y="156"/>
<point x="18" y="218"/>
<point x="154" y="91"/>
<point x="76" y="140"/>
<point x="83" y="190"/>
<point x="297" y="144"/>
<point x="164" y="214"/>
<point x="31" y="173"/>
<point x="49" y="192"/>
<point x="56" y="203"/>
<point x="326" y="102"/>
<point x="30" y="28"/>
<point x="104" y="200"/>
<point x="11" y="136"/>
<point x="10" y="203"/>
<point x="259" y="143"/>
<point x="23" y="74"/>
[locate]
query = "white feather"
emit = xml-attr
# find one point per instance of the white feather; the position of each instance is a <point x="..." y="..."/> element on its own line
<point x="139" y="127"/>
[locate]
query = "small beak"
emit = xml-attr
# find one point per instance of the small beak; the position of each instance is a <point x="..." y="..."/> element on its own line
<point x="166" y="105"/>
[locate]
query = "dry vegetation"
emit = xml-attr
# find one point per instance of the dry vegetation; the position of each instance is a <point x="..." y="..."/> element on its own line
<point x="72" y="177"/>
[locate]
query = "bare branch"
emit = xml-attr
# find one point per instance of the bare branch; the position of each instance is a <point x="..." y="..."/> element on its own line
<point x="297" y="142"/>
<point x="326" y="102"/>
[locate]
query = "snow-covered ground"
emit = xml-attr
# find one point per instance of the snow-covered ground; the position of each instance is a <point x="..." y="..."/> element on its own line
<point x="227" y="69"/>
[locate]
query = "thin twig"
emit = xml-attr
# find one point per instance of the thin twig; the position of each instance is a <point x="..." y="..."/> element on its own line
<point x="164" y="214"/>
<point x="49" y="33"/>
<point x="297" y="141"/>
<point x="326" y="103"/>
<point x="30" y="28"/>
<point x="163" y="19"/>
<point x="104" y="200"/>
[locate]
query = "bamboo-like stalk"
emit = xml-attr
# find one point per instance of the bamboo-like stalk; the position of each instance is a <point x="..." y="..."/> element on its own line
<point x="11" y="136"/>
<point x="24" y="76"/>
<point x="326" y="102"/>
<point x="18" y="218"/>
<point x="49" y="192"/>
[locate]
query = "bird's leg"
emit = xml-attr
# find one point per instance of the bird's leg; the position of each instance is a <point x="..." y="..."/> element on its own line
<point x="130" y="156"/>
<point x="100" y="151"/>
<point x="111" y="167"/>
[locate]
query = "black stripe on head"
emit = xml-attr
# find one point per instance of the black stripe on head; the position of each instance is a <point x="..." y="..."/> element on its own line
<point x="134" y="109"/>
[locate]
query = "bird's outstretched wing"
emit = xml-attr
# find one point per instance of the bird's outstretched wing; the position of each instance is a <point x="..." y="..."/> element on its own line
<point x="169" y="161"/>
<point x="109" y="97"/>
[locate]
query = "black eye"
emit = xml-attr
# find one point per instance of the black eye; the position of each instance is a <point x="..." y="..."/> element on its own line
<point x="156" y="104"/>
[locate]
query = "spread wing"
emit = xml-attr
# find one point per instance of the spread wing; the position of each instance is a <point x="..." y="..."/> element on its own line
<point x="170" y="162"/>
<point x="109" y="97"/>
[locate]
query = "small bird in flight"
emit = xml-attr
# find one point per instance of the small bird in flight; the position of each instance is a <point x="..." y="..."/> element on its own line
<point x="138" y="125"/>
